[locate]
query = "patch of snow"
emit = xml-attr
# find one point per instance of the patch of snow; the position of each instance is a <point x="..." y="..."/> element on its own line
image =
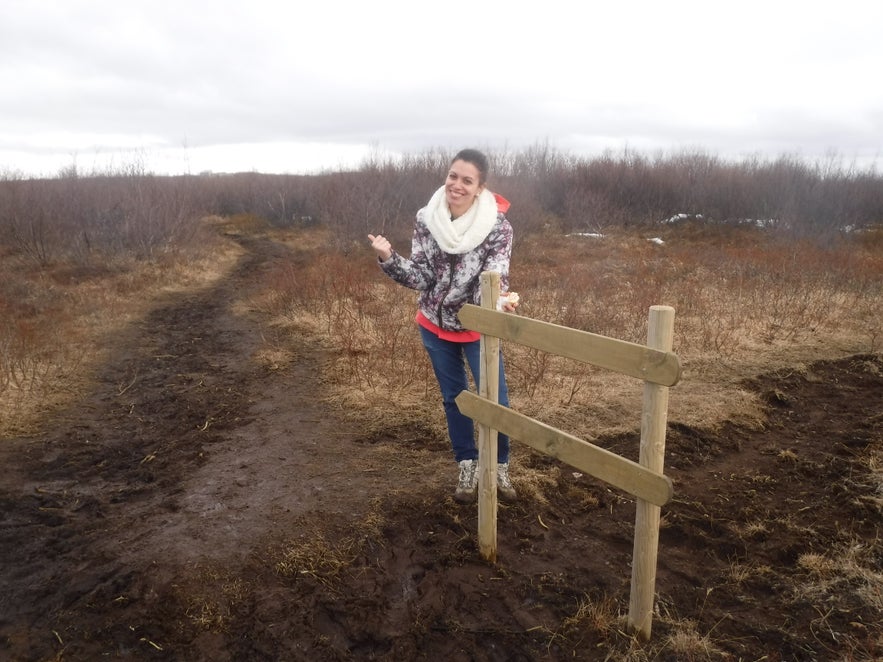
<point x="656" y="240"/>
<point x="760" y="223"/>
<point x="593" y="235"/>
<point x="764" y="222"/>
<point x="683" y="217"/>
<point x="858" y="229"/>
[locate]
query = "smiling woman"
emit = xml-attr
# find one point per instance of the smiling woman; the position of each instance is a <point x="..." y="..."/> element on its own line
<point x="461" y="233"/>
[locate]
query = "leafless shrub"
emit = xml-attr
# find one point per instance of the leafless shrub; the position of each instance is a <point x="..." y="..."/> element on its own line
<point x="99" y="217"/>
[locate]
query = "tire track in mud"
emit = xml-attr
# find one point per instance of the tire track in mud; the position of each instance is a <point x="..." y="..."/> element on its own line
<point x="186" y="449"/>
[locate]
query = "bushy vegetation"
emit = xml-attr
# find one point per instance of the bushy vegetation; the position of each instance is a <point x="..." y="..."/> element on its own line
<point x="131" y="211"/>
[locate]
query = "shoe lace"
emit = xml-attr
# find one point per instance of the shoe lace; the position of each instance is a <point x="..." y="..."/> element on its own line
<point x="467" y="475"/>
<point x="503" y="477"/>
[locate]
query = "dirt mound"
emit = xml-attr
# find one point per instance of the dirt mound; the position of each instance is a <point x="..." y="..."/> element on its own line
<point x="194" y="506"/>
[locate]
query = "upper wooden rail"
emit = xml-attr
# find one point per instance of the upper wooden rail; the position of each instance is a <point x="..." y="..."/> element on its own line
<point x="628" y="358"/>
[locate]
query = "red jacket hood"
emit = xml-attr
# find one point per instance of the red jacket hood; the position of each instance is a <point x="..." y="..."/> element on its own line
<point x="502" y="203"/>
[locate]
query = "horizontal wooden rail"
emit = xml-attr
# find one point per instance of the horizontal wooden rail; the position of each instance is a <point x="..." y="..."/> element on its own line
<point x="620" y="472"/>
<point x="628" y="358"/>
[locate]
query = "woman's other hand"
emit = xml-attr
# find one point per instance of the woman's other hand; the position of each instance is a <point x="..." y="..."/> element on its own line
<point x="381" y="246"/>
<point x="508" y="302"/>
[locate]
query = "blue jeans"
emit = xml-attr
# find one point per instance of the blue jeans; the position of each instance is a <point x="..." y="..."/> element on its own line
<point x="450" y="370"/>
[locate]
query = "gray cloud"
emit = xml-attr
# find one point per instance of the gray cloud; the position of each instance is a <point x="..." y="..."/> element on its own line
<point x="101" y="76"/>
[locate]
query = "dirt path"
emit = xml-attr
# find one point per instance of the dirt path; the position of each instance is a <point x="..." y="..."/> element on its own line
<point x="196" y="507"/>
<point x="184" y="453"/>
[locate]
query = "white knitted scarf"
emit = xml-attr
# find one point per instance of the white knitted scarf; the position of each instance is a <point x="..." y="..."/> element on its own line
<point x="464" y="233"/>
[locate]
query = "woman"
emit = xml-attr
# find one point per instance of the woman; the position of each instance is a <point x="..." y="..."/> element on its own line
<point x="461" y="232"/>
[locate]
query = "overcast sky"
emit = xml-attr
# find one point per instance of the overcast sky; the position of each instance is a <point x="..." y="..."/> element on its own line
<point x="190" y="86"/>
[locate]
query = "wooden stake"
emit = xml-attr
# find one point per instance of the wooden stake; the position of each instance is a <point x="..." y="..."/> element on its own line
<point x="489" y="388"/>
<point x="652" y="456"/>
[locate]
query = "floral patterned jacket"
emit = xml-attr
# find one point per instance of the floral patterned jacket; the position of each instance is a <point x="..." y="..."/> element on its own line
<point x="447" y="281"/>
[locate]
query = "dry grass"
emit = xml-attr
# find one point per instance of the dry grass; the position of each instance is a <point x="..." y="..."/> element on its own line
<point x="316" y="557"/>
<point x="326" y="556"/>
<point x="211" y="604"/>
<point x="603" y="620"/>
<point x="56" y="321"/>
<point x="853" y="566"/>
<point x="740" y="311"/>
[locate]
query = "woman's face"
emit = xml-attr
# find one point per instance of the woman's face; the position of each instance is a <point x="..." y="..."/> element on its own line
<point x="462" y="187"/>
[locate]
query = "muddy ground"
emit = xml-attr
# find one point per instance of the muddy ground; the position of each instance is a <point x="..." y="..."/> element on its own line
<point x="193" y="506"/>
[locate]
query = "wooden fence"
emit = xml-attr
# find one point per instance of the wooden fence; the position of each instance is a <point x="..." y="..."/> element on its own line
<point x="654" y="363"/>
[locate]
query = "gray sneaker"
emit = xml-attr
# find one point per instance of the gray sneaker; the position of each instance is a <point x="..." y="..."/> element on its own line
<point x="504" y="483"/>
<point x="467" y="486"/>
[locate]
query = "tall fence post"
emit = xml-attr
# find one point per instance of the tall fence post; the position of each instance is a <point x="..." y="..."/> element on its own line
<point x="660" y="334"/>
<point x="489" y="388"/>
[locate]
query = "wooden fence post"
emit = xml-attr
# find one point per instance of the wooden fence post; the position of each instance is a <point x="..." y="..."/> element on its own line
<point x="489" y="388"/>
<point x="652" y="456"/>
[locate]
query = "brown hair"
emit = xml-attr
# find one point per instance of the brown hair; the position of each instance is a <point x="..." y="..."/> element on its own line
<point x="476" y="158"/>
